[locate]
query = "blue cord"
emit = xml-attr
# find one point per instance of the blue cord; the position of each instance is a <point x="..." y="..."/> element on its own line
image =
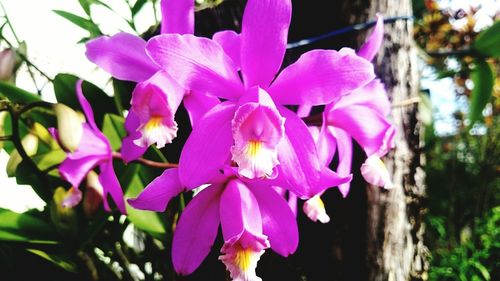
<point x="356" y="27"/>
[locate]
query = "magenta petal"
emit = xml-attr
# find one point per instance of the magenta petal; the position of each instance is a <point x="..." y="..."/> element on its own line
<point x="159" y="192"/>
<point x="75" y="170"/>
<point x="208" y="147"/>
<point x="129" y="150"/>
<point x="122" y="55"/>
<point x="326" y="145"/>
<point x="231" y="43"/>
<point x="330" y="179"/>
<point x="177" y="16"/>
<point x="198" y="104"/>
<point x="196" y="230"/>
<point x="239" y="211"/>
<point x="373" y="95"/>
<point x="111" y="186"/>
<point x="278" y="221"/>
<point x="370" y="129"/>
<point x="298" y="157"/>
<point x="264" y="33"/>
<point x="198" y="64"/>
<point x="372" y="45"/>
<point x="320" y="77"/>
<point x="344" y="145"/>
<point x="87" y="109"/>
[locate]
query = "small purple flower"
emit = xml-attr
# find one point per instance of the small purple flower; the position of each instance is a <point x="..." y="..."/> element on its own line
<point x="93" y="151"/>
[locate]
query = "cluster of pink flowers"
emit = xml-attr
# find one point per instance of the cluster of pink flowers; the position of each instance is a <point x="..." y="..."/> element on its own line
<point x="247" y="148"/>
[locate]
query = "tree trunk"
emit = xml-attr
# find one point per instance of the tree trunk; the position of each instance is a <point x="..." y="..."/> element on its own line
<point x="395" y="229"/>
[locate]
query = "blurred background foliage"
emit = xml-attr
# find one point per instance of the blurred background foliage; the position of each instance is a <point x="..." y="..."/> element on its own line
<point x="463" y="183"/>
<point x="463" y="210"/>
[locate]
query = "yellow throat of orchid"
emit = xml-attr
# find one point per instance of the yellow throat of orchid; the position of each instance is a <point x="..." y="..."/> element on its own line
<point x="153" y="123"/>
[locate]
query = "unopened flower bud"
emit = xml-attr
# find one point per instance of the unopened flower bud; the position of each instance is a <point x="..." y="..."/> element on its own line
<point x="93" y="194"/>
<point x="63" y="218"/>
<point x="69" y="127"/>
<point x="72" y="198"/>
<point x="375" y="172"/>
<point x="7" y="64"/>
<point x="30" y="145"/>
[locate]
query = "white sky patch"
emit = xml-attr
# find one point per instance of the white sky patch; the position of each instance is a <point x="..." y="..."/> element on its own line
<point x="52" y="46"/>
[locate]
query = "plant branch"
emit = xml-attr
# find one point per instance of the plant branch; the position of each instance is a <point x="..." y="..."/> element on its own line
<point x="5" y="138"/>
<point x="16" y="140"/>
<point x="150" y="163"/>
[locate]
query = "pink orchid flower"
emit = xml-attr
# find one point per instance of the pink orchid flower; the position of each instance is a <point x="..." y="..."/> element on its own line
<point x="252" y="127"/>
<point x="252" y="215"/>
<point x="93" y="151"/>
<point x="362" y="116"/>
<point x="157" y="96"/>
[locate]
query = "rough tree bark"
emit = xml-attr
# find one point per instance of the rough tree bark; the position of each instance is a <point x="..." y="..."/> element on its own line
<point x="395" y="229"/>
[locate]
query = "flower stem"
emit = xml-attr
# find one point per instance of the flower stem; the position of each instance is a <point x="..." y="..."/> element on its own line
<point x="150" y="163"/>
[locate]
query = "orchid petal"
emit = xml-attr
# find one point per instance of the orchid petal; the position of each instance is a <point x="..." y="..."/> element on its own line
<point x="326" y="145"/>
<point x="196" y="230"/>
<point x="344" y="145"/>
<point x="155" y="102"/>
<point x="93" y="144"/>
<point x="129" y="150"/>
<point x="198" y="64"/>
<point x="264" y="33"/>
<point x="122" y="55"/>
<point x="177" y="16"/>
<point x="111" y="186"/>
<point x="320" y="77"/>
<point x="159" y="192"/>
<point x="373" y="95"/>
<point x="230" y="41"/>
<point x="298" y="157"/>
<point x="87" y="109"/>
<point x="198" y="104"/>
<point x="375" y="172"/>
<point x="278" y="221"/>
<point x="208" y="147"/>
<point x="371" y="130"/>
<point x="372" y="45"/>
<point x="75" y="170"/>
<point x="239" y="211"/>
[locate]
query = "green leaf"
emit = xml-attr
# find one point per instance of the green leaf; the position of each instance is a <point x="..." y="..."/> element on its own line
<point x="63" y="262"/>
<point x="147" y="221"/>
<point x="488" y="41"/>
<point x="483" y="78"/>
<point x="84" y="23"/>
<point x="87" y="3"/>
<point x="123" y="92"/>
<point x="16" y="94"/>
<point x="114" y="130"/>
<point x="24" y="227"/>
<point x="65" y="90"/>
<point x="137" y="7"/>
<point x="49" y="159"/>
